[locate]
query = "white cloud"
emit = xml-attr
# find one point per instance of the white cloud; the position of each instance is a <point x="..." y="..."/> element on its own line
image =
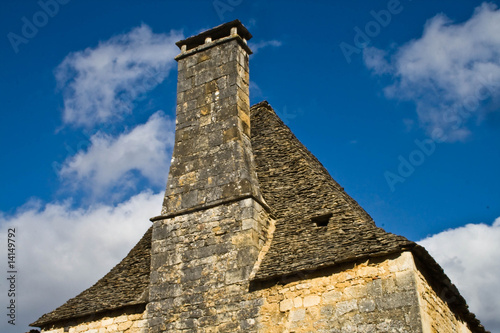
<point x="109" y="161"/>
<point x="375" y="60"/>
<point x="100" y="84"/>
<point x="451" y="73"/>
<point x="255" y="47"/>
<point x="470" y="256"/>
<point x="255" y="90"/>
<point x="61" y="251"/>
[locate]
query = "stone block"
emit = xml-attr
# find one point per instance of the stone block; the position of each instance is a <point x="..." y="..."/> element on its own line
<point x="112" y="328"/>
<point x="311" y="300"/>
<point x="345" y="307"/>
<point x="297" y="314"/>
<point x="389" y="286"/>
<point x="249" y="224"/>
<point x="286" y="305"/>
<point x="183" y="85"/>
<point x="374" y="288"/>
<point x="332" y="296"/>
<point x="405" y="280"/>
<point x="123" y="326"/>
<point x="406" y="262"/>
<point x="106" y="321"/>
<point x="397" y="300"/>
<point x="366" y="305"/>
<point x="357" y="291"/>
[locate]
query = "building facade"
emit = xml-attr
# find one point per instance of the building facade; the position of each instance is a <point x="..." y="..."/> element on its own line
<point x="254" y="234"/>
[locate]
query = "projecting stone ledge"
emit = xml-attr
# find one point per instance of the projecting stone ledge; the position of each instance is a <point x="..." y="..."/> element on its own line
<point x="220" y="34"/>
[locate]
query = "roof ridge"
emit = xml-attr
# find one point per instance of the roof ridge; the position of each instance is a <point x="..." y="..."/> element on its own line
<point x="263" y="103"/>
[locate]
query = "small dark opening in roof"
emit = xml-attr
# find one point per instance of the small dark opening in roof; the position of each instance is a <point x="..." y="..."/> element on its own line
<point x="322" y="220"/>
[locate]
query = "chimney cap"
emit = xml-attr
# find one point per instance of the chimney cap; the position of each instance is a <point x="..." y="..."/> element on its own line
<point x="223" y="30"/>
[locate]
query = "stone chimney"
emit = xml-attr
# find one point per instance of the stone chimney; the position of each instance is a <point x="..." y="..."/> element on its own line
<point x="212" y="160"/>
<point x="214" y="221"/>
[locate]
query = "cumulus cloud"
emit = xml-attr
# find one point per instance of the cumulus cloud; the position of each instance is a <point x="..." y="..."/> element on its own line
<point x="451" y="73"/>
<point x="100" y="84"/>
<point x="110" y="161"/>
<point x="255" y="47"/>
<point x="61" y="250"/>
<point x="470" y="256"/>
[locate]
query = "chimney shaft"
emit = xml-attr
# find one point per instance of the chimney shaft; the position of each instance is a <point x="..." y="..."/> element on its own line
<point x="212" y="160"/>
<point x="214" y="224"/>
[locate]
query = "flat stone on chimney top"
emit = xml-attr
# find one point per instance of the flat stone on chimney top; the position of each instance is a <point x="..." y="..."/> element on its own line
<point x="234" y="29"/>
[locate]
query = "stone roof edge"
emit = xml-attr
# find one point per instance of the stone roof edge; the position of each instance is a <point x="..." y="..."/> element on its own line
<point x="439" y="276"/>
<point x="378" y="254"/>
<point x="41" y="323"/>
<point x="47" y="319"/>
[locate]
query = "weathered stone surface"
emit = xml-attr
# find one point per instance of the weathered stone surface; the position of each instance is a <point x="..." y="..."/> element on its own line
<point x="436" y="307"/>
<point x="212" y="158"/>
<point x="298" y="188"/>
<point x="330" y="305"/>
<point x="210" y="286"/>
<point x="114" y="323"/>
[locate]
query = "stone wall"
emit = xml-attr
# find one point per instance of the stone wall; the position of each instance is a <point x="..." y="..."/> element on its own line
<point x="111" y="323"/>
<point x="202" y="284"/>
<point x="435" y="310"/>
<point x="201" y="263"/>
<point x="378" y="295"/>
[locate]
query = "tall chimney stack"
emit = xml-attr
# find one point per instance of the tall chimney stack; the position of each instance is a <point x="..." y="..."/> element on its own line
<point x="212" y="160"/>
<point x="214" y="221"/>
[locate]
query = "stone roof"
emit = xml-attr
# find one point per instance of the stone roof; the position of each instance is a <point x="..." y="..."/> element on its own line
<point x="317" y="225"/>
<point x="300" y="191"/>
<point x="125" y="285"/>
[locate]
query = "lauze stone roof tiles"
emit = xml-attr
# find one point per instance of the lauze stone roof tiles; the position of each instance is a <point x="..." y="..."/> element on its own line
<point x="125" y="285"/>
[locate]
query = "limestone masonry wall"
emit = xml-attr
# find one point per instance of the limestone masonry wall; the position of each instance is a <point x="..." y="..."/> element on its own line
<point x="125" y="323"/>
<point x="376" y="296"/>
<point x="201" y="263"/>
<point x="435" y="313"/>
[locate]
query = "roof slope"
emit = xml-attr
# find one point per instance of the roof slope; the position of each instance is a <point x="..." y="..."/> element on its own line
<point x="298" y="188"/>
<point x="126" y="284"/>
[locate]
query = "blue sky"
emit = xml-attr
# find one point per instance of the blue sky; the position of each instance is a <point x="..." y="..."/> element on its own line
<point x="398" y="99"/>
